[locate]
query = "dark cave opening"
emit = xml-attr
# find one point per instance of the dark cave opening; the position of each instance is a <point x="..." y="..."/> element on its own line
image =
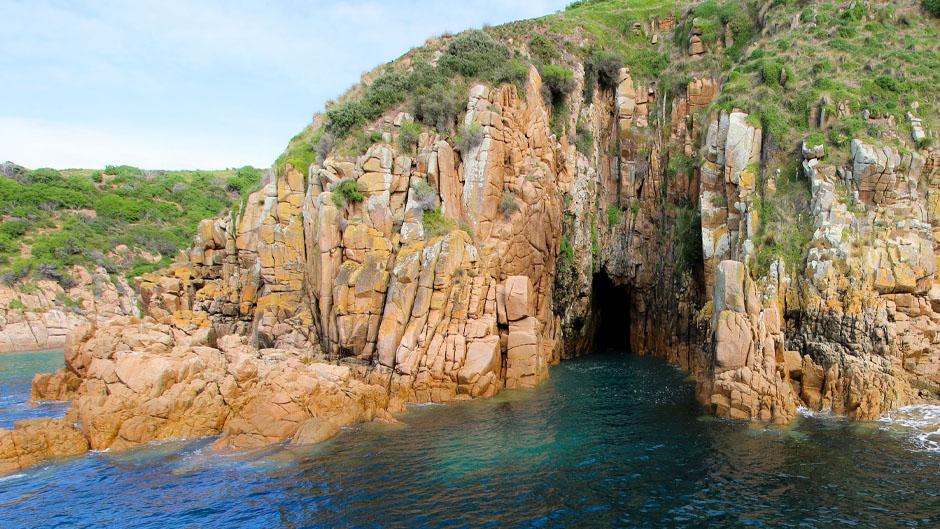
<point x="610" y="304"/>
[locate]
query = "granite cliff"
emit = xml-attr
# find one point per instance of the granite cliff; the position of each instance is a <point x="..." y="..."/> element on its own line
<point x="585" y="196"/>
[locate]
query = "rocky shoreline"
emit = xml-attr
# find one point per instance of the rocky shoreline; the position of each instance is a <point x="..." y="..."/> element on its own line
<point x="457" y="269"/>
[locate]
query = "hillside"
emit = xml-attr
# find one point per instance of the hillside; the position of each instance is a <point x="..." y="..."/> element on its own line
<point x="72" y="241"/>
<point x="748" y="190"/>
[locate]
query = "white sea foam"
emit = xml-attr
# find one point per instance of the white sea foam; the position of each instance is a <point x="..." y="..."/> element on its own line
<point x="11" y="476"/>
<point x="921" y="423"/>
<point x="806" y="412"/>
<point x="423" y="404"/>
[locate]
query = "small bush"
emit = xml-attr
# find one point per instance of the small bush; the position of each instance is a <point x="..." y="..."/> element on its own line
<point x="600" y="68"/>
<point x="435" y="223"/>
<point x="15" y="304"/>
<point x="475" y="55"/>
<point x="117" y="207"/>
<point x="614" y="216"/>
<point x="887" y="83"/>
<point x="543" y="48"/>
<point x="508" y="205"/>
<point x="470" y="137"/>
<point x="584" y="139"/>
<point x="424" y="195"/>
<point x="770" y="72"/>
<point x="345" y="192"/>
<point x="688" y="233"/>
<point x="566" y="252"/>
<point x="557" y="83"/>
<point x="932" y="7"/>
<point x="438" y="107"/>
<point x="245" y="178"/>
<point x="13" y="228"/>
<point x="345" y="117"/>
<point x="409" y="136"/>
<point x="325" y="146"/>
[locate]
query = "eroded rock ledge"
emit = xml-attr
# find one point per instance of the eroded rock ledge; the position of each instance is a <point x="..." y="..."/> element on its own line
<point x="302" y="312"/>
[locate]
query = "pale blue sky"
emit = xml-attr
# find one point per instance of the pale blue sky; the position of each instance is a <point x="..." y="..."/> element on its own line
<point x="186" y="84"/>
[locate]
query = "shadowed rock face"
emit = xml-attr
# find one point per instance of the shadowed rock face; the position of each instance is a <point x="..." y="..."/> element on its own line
<point x="301" y="312"/>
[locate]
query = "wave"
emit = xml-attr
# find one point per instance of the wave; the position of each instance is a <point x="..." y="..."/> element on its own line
<point x="920" y="422"/>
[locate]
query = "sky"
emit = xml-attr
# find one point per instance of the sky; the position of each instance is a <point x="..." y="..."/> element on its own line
<point x="198" y="84"/>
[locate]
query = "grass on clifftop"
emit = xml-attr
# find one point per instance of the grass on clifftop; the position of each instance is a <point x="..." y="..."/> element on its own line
<point x="52" y="219"/>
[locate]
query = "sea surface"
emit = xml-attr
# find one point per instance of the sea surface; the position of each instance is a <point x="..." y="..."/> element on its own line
<point x="611" y="440"/>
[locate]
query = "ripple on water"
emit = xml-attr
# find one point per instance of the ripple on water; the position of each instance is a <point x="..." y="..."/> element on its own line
<point x="920" y="423"/>
<point x="609" y="440"/>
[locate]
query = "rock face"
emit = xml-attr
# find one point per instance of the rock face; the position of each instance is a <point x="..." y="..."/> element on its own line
<point x="303" y="311"/>
<point x="38" y="317"/>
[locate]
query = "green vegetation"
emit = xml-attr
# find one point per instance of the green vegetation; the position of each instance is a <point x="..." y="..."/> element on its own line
<point x="55" y="219"/>
<point x="424" y="195"/>
<point x="469" y="137"/>
<point x="614" y="216"/>
<point x="508" y="205"/>
<point x="584" y="139"/>
<point x="15" y="304"/>
<point x="473" y="55"/>
<point x="785" y="225"/>
<point x="566" y="253"/>
<point x="346" y="192"/>
<point x="408" y="136"/>
<point x="435" y="223"/>
<point x="688" y="234"/>
<point x="932" y="7"/>
<point x="245" y="179"/>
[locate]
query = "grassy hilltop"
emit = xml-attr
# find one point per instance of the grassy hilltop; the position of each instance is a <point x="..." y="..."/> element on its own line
<point x="55" y="219"/>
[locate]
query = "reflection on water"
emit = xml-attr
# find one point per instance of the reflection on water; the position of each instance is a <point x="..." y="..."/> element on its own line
<point x="609" y="440"/>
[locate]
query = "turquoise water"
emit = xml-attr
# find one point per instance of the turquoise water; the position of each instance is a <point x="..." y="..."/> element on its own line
<point x="612" y="440"/>
<point x="16" y="374"/>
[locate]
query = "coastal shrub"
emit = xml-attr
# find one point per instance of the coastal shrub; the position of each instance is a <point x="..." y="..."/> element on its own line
<point x="600" y="68"/>
<point x="245" y="178"/>
<point x="13" y="228"/>
<point x="543" y="48"/>
<point x="116" y="207"/>
<point x="774" y="74"/>
<point x="436" y="223"/>
<point x="345" y="192"/>
<point x="20" y="269"/>
<point x="932" y="7"/>
<point x="557" y="83"/>
<point x="122" y="171"/>
<point x="614" y="216"/>
<point x="511" y="72"/>
<point x="508" y="204"/>
<point x="469" y="137"/>
<point x="584" y="139"/>
<point x="475" y="55"/>
<point x="424" y="195"/>
<point x="408" y="136"/>
<point x="887" y="83"/>
<point x="566" y="252"/>
<point x="15" y="304"/>
<point x="385" y="92"/>
<point x="344" y="117"/>
<point x="325" y="146"/>
<point x="688" y="234"/>
<point x="605" y="67"/>
<point x="438" y="107"/>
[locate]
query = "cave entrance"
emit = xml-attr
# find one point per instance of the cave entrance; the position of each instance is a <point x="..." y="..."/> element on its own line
<point x="610" y="304"/>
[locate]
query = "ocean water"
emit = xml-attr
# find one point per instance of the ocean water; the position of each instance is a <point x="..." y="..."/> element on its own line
<point x="611" y="440"/>
<point x="16" y="375"/>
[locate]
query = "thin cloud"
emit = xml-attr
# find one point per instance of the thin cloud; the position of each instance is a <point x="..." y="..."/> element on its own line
<point x="210" y="73"/>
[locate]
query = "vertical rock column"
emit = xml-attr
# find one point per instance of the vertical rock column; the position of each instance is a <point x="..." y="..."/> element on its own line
<point x="526" y="359"/>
